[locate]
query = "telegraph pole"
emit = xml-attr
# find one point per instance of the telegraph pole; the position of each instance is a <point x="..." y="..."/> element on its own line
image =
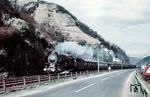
<point x="98" y="57"/>
<point x="121" y="63"/>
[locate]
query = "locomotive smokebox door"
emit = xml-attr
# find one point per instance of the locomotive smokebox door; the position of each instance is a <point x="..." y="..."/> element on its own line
<point x="52" y="58"/>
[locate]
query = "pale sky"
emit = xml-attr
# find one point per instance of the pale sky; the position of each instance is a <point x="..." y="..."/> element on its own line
<point x="123" y="22"/>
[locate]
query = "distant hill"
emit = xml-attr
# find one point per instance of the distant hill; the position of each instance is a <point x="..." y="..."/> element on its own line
<point x="134" y="60"/>
<point x="144" y="61"/>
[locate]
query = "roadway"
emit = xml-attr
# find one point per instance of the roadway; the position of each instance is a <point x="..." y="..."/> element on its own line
<point x="112" y="84"/>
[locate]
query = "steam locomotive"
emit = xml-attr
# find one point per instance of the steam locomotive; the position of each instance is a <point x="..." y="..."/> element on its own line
<point x="62" y="62"/>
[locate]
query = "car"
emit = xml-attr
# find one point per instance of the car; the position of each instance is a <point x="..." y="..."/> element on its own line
<point x="143" y="68"/>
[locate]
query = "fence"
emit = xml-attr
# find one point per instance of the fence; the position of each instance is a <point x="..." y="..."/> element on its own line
<point x="144" y="90"/>
<point x="14" y="83"/>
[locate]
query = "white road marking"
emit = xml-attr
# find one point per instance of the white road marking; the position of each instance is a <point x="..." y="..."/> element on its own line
<point x="105" y="78"/>
<point x="84" y="88"/>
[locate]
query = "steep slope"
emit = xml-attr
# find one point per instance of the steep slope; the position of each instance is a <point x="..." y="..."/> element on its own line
<point x="52" y="15"/>
<point x="55" y="16"/>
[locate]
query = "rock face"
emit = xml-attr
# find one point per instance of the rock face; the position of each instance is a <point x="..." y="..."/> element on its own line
<point x="55" y="16"/>
<point x="51" y="15"/>
<point x="29" y="30"/>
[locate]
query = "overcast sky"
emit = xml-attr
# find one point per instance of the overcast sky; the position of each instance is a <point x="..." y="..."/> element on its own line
<point x="124" y="22"/>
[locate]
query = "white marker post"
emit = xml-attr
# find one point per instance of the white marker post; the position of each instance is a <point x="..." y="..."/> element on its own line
<point x="109" y="68"/>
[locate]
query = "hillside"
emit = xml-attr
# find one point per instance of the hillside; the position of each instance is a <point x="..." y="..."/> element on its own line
<point x="30" y="30"/>
<point x="55" y="16"/>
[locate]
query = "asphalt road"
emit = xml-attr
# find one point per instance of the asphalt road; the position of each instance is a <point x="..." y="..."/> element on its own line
<point x="113" y="84"/>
